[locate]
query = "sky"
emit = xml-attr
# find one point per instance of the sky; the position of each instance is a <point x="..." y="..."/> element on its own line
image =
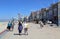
<point x="11" y="8"/>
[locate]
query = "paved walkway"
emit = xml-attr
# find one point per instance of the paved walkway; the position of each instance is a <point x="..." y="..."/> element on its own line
<point x="34" y="32"/>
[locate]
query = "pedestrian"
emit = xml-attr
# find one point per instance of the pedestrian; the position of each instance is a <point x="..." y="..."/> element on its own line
<point x="12" y="27"/>
<point x="9" y="25"/>
<point x="26" y="28"/>
<point x="41" y="24"/>
<point x="20" y="27"/>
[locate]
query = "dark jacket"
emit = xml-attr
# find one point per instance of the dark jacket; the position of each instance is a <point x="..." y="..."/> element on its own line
<point x="20" y="27"/>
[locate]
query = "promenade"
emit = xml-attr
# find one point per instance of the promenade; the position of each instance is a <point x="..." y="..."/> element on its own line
<point x="34" y="32"/>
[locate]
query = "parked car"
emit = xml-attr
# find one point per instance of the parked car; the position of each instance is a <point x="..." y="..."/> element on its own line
<point x="49" y="22"/>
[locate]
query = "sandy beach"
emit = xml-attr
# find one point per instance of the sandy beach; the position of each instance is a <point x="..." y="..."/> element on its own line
<point x="35" y="32"/>
<point x="3" y="26"/>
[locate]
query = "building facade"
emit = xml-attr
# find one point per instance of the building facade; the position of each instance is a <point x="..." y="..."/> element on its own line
<point x="52" y="14"/>
<point x="59" y="13"/>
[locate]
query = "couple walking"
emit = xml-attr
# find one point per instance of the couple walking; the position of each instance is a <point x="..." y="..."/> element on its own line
<point x="20" y="28"/>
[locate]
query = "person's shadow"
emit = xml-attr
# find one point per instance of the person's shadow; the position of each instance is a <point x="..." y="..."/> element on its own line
<point x="20" y="34"/>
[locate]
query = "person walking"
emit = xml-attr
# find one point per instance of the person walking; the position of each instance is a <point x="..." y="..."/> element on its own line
<point x="26" y="28"/>
<point x="12" y="27"/>
<point x="20" y="27"/>
<point x="41" y="24"/>
<point x="9" y="25"/>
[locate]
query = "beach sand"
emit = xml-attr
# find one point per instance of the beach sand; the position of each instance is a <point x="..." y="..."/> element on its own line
<point x="34" y="32"/>
<point x="3" y="26"/>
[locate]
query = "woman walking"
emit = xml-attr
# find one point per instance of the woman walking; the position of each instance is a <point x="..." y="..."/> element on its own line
<point x="26" y="28"/>
<point x="20" y="27"/>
